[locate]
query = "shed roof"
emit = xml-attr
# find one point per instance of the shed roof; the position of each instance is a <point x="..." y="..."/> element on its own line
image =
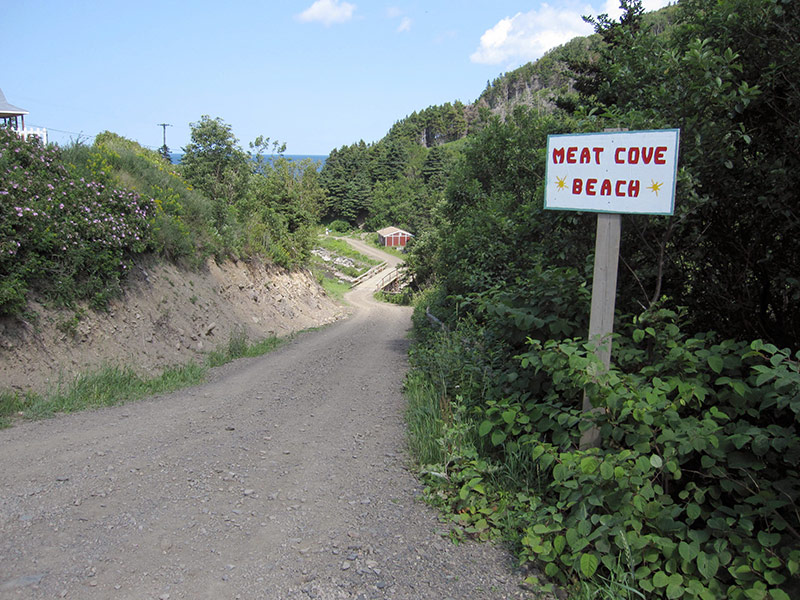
<point x="386" y="231"/>
<point x="9" y="110"/>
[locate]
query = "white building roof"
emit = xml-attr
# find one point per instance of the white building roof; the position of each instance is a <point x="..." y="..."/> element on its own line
<point x="9" y="110"/>
<point x="387" y="231"/>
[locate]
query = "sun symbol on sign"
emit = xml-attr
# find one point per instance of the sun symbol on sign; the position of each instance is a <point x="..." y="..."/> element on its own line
<point x="561" y="182"/>
<point x="655" y="186"/>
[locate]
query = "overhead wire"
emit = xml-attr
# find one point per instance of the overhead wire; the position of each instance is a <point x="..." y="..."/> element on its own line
<point x="84" y="134"/>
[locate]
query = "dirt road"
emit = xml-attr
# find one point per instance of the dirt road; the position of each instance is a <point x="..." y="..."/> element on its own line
<point x="283" y="477"/>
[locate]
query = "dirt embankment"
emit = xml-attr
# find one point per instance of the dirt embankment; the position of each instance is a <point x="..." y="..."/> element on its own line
<point x="166" y="316"/>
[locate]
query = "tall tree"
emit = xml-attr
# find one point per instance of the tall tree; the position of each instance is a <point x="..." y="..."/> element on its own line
<point x="214" y="163"/>
<point x="346" y="178"/>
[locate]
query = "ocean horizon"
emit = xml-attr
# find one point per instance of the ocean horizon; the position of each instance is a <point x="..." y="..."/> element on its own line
<point x="176" y="157"/>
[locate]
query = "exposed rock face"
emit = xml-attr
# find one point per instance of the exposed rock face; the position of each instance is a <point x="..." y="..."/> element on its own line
<point x="520" y="92"/>
<point x="166" y="316"/>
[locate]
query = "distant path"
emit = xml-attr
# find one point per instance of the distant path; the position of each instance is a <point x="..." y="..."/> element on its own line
<point x="284" y="477"/>
<point x="372" y="251"/>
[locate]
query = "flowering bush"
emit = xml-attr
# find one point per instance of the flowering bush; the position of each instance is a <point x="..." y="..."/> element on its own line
<point x="67" y="239"/>
<point x="182" y="229"/>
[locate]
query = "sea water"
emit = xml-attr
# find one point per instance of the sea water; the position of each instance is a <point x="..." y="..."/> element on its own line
<point x="320" y="158"/>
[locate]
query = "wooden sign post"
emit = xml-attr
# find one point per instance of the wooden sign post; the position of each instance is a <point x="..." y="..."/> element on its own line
<point x="604" y="297"/>
<point x="610" y="173"/>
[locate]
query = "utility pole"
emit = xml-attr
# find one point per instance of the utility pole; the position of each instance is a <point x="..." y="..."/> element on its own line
<point x="164" y="127"/>
<point x="164" y="150"/>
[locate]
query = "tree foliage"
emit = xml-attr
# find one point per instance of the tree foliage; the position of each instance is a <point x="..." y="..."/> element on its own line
<point x="263" y="203"/>
<point x="396" y="181"/>
<point x="346" y="178"/>
<point x="694" y="492"/>
<point x="213" y="161"/>
<point x="722" y="75"/>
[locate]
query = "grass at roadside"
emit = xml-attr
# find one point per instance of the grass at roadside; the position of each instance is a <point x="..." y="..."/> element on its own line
<point x="425" y="420"/>
<point x="239" y="347"/>
<point x="111" y="385"/>
<point x="333" y="287"/>
<point x="342" y="248"/>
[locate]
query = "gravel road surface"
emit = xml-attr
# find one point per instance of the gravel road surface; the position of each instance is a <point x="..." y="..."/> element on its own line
<point x="285" y="476"/>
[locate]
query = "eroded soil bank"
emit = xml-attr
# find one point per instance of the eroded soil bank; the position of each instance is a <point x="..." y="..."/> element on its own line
<point x="166" y="316"/>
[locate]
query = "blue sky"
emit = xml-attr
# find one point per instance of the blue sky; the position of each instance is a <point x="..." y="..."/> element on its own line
<point x="315" y="74"/>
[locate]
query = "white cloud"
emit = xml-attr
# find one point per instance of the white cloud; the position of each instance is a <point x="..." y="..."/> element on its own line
<point x="612" y="9"/>
<point x="527" y="36"/>
<point x="405" y="22"/>
<point x="328" y="12"/>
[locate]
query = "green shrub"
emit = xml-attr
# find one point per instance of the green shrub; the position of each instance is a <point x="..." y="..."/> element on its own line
<point x="698" y="472"/>
<point x="491" y="327"/>
<point x="183" y="224"/>
<point x="694" y="491"/>
<point x="402" y="298"/>
<point x="68" y="239"/>
<point x="339" y="226"/>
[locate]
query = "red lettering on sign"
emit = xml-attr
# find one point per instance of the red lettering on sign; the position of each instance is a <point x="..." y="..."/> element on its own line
<point x="621" y="187"/>
<point x="571" y="151"/>
<point x="647" y="154"/>
<point x="574" y="155"/>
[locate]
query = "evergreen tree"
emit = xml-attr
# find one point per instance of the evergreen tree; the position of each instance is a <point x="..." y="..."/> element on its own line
<point x="346" y="179"/>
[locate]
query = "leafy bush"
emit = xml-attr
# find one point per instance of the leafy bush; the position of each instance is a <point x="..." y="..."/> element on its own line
<point x="694" y="490"/>
<point x="67" y="239"/>
<point x="490" y="327"/>
<point x="339" y="226"/>
<point x="284" y="201"/>
<point x="402" y="298"/>
<point x="183" y="228"/>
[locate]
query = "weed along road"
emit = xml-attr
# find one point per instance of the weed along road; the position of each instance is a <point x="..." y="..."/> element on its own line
<point x="284" y="476"/>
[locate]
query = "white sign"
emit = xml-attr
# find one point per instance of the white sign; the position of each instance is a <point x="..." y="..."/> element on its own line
<point x="614" y="172"/>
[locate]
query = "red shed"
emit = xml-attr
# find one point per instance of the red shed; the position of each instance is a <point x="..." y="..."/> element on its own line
<point x="394" y="237"/>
